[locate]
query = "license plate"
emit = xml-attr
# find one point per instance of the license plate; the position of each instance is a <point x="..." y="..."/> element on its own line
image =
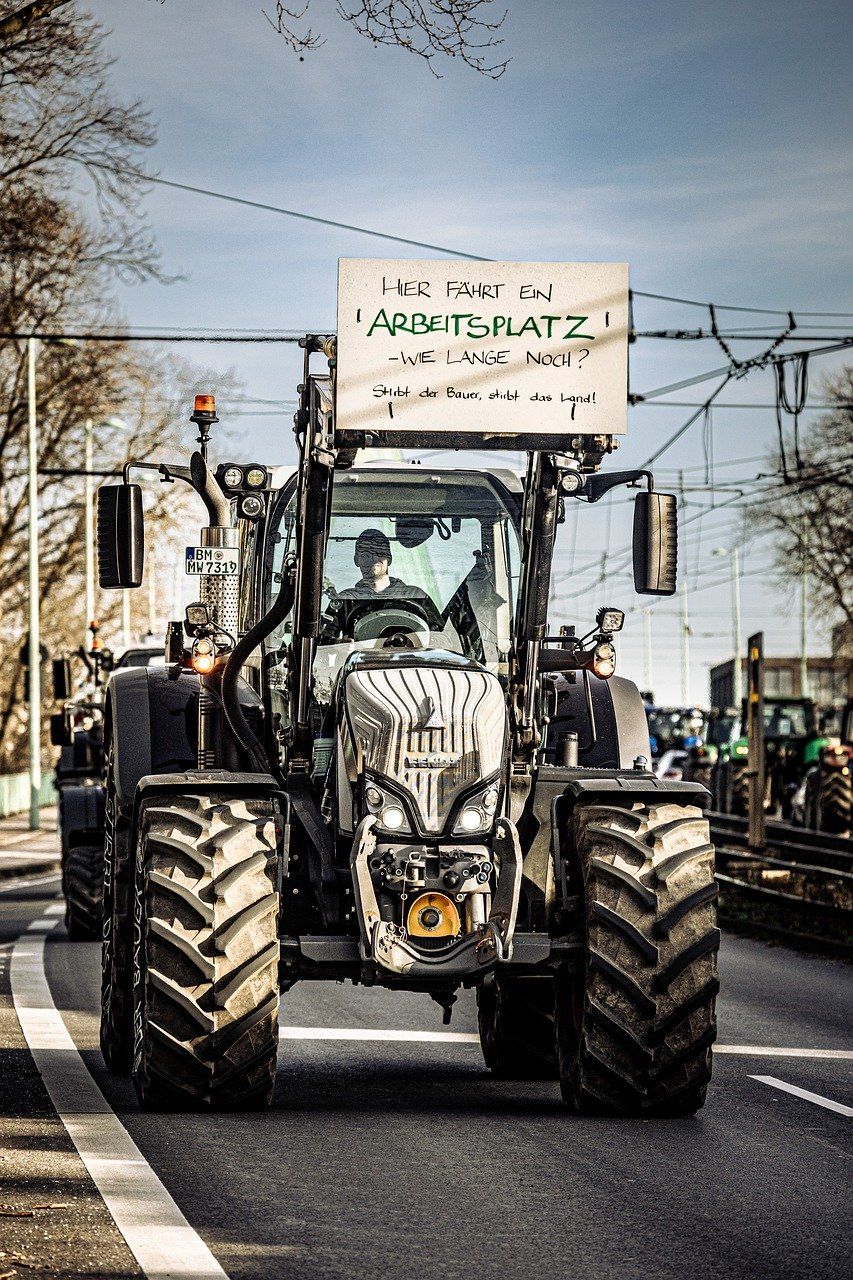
<point x="216" y="562"/>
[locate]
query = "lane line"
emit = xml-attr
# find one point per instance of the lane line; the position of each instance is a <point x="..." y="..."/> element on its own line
<point x="9" y="884"/>
<point x="157" y="1233"/>
<point x="464" y="1037"/>
<point x="816" y="1098"/>
<point x="371" y="1033"/>
<point x="783" y="1051"/>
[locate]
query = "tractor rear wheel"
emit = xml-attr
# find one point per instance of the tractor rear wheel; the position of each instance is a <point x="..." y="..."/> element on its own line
<point x="635" y="1028"/>
<point x="116" y="947"/>
<point x="835" y="801"/>
<point x="515" y="1016"/>
<point x="83" y="886"/>
<point x="205" y="971"/>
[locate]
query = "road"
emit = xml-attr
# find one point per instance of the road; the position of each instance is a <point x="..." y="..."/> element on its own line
<point x="386" y="1155"/>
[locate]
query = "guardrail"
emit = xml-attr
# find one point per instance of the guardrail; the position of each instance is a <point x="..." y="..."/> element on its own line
<point x="798" y="888"/>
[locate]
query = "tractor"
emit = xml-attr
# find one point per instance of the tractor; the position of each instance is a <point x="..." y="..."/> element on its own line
<point x="824" y="799"/>
<point x="790" y="745"/>
<point x="78" y="732"/>
<point x="370" y="756"/>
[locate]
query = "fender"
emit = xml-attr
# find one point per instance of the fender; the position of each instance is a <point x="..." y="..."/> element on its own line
<point x="82" y="815"/>
<point x="152" y="722"/>
<point x="615" y="732"/>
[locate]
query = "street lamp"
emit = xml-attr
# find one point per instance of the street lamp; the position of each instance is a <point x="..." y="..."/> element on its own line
<point x="114" y="424"/>
<point x="737" y="681"/>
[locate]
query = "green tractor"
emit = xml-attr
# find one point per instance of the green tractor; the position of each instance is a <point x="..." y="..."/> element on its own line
<point x="791" y="745"/>
<point x="370" y="757"/>
<point x="824" y="800"/>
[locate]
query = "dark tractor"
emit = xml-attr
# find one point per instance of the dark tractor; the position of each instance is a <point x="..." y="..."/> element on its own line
<point x="78" y="732"/>
<point x="370" y="758"/>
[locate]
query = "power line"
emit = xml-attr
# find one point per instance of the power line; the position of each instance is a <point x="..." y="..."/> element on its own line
<point x="759" y="311"/>
<point x="689" y="423"/>
<point x="149" y="337"/>
<point x="290" y="213"/>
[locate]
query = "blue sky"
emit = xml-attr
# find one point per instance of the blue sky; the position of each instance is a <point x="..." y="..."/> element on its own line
<point x="707" y="145"/>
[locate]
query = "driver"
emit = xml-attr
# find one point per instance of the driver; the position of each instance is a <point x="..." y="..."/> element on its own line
<point x="372" y="558"/>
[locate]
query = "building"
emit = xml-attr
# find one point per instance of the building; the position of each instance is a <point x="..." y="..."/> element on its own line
<point x="830" y="680"/>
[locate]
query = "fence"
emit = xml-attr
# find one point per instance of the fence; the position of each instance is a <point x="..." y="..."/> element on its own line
<point x="15" y="792"/>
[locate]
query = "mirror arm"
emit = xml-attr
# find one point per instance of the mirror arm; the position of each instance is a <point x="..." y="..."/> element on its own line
<point x="596" y="486"/>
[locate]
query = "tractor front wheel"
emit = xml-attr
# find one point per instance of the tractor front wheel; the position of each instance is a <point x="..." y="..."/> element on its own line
<point x="635" y="1028"/>
<point x="515" y="1016"/>
<point x="205" y="972"/>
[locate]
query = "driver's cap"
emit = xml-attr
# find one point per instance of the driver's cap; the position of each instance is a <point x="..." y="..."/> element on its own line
<point x="375" y="541"/>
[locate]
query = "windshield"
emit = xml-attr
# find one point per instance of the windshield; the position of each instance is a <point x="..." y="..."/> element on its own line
<point x="785" y="720"/>
<point x="414" y="560"/>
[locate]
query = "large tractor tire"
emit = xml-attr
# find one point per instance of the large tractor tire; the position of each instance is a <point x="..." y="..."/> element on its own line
<point x="516" y="1021"/>
<point x="835" y="801"/>
<point x="117" y="936"/>
<point x="205" y="976"/>
<point x="635" y="1028"/>
<point x="83" y="886"/>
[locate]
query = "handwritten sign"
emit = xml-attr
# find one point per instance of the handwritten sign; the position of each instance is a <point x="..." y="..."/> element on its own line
<point x="487" y="347"/>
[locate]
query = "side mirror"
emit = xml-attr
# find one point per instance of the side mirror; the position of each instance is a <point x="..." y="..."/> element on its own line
<point x="121" y="535"/>
<point x="655" y="543"/>
<point x="61" y="679"/>
<point x="58" y="730"/>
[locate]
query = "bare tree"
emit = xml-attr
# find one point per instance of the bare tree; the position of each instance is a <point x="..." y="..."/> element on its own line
<point x="810" y="519"/>
<point x="57" y="268"/>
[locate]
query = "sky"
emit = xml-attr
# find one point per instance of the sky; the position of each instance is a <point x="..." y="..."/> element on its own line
<point x="707" y="145"/>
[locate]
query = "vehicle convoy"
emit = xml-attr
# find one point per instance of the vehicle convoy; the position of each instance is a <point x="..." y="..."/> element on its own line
<point x="79" y="779"/>
<point x="791" y="745"/>
<point x="824" y="799"/>
<point x="368" y="758"/>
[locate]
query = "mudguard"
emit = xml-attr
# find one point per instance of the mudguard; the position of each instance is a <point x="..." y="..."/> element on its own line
<point x="82" y="814"/>
<point x="152" y="723"/>
<point x="611" y="723"/>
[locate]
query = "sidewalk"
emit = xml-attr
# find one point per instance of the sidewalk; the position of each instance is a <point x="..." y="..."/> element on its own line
<point x="25" y="852"/>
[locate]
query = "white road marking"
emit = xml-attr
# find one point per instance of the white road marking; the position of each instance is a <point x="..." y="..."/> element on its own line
<point x="157" y="1233"/>
<point x="371" y="1033"/>
<point x="9" y="884"/>
<point x="466" y="1037"/>
<point x="816" y="1098"/>
<point x="55" y="909"/>
<point x="41" y="925"/>
<point x="783" y="1051"/>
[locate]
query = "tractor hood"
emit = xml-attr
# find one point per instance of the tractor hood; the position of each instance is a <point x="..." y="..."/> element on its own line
<point x="429" y="726"/>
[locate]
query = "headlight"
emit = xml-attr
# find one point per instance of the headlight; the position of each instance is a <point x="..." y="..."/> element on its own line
<point x="477" y="814"/>
<point x="604" y="660"/>
<point x="233" y="477"/>
<point x="256" y="477"/>
<point x="389" y="812"/>
<point x="393" y="818"/>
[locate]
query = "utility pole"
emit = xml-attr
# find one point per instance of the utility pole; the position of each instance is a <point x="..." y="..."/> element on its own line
<point x="125" y="618"/>
<point x="757" y="770"/>
<point x="152" y="597"/>
<point x="34" y="673"/>
<point x="89" y="530"/>
<point x="685" y="619"/>
<point x="804" y="610"/>
<point x="648" y="674"/>
<point x="737" y="683"/>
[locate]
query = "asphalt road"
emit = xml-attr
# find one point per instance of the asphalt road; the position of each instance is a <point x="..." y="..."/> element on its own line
<point x="402" y="1157"/>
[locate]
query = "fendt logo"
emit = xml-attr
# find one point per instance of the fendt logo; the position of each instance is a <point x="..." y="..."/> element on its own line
<point x="429" y="715"/>
<point x="433" y="760"/>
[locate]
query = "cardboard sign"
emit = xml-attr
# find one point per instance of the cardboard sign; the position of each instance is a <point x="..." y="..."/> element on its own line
<point x="486" y="347"/>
